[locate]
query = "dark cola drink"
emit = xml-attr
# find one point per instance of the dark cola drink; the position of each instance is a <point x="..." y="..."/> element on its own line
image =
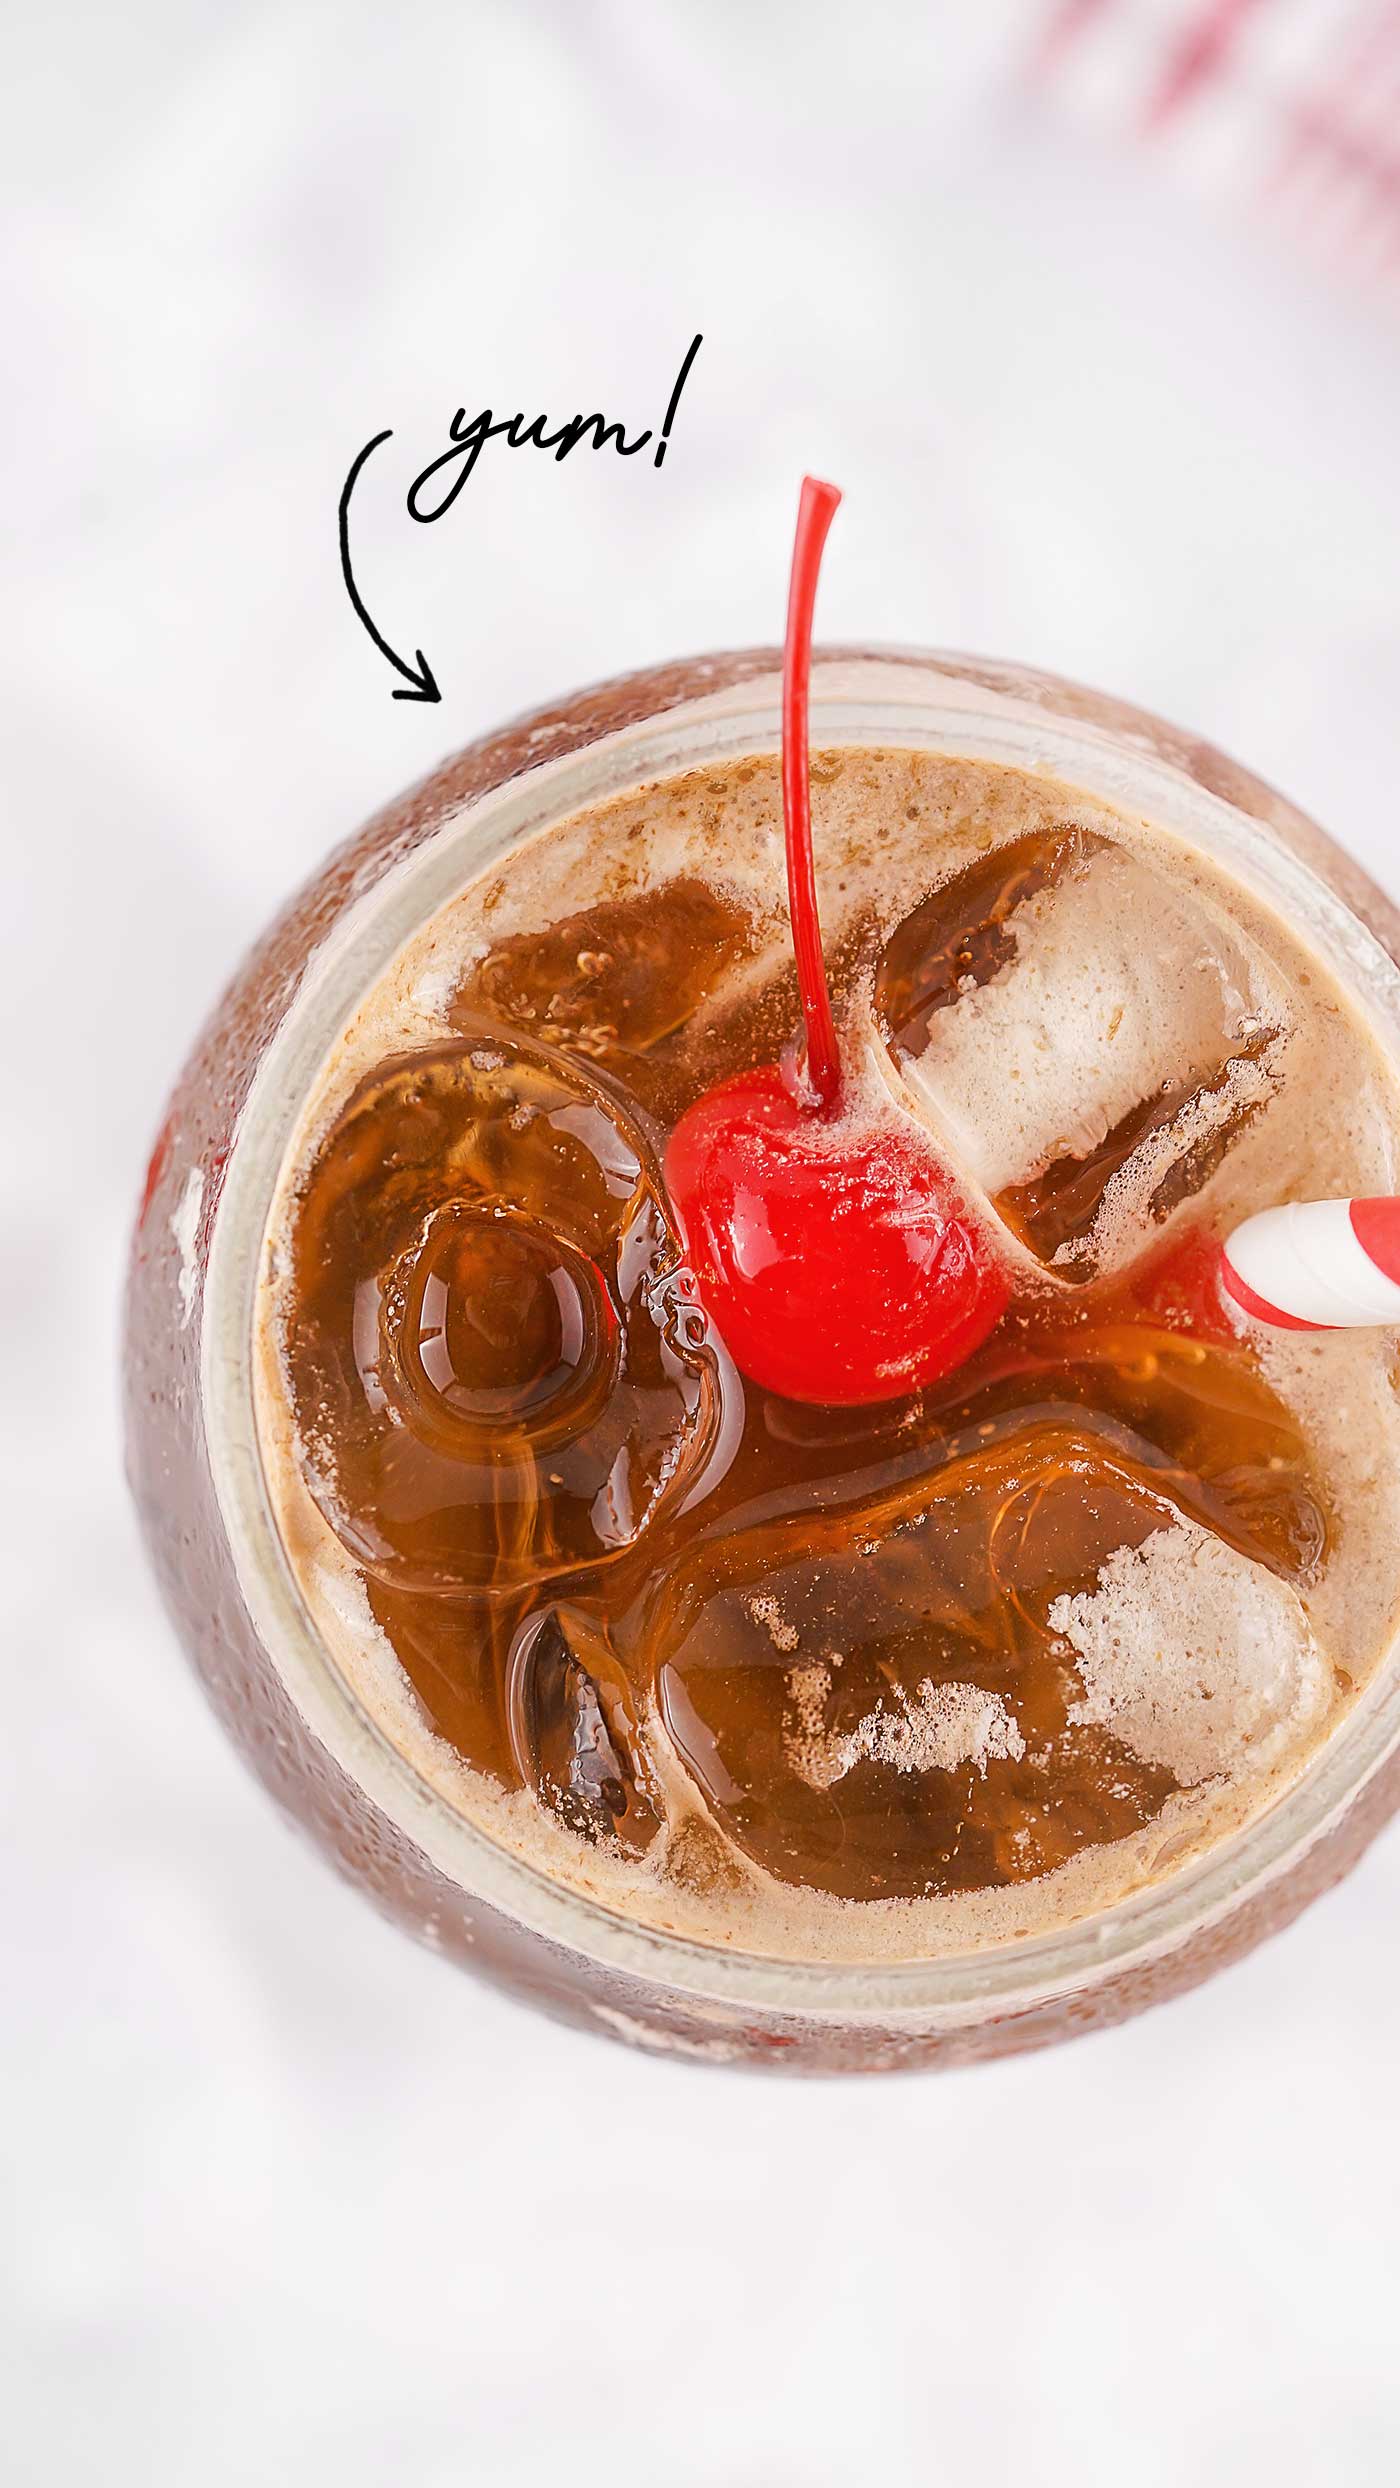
<point x="833" y="1681"/>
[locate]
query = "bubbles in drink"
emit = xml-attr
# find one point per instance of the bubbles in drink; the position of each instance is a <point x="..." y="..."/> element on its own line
<point x="1088" y="1036"/>
<point x="1198" y="1659"/>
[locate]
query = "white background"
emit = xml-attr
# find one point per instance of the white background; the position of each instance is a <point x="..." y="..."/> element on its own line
<point x="289" y="2200"/>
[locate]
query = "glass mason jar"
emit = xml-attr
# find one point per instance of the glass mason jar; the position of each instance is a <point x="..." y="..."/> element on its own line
<point x="193" y="1446"/>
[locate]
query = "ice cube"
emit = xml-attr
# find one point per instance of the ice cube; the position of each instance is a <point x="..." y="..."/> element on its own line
<point x="613" y="981"/>
<point x="874" y="1701"/>
<point x="1087" y="1034"/>
<point x="573" y="1728"/>
<point x="497" y="1364"/>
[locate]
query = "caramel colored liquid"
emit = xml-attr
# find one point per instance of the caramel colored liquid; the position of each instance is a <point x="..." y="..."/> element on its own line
<point x="678" y="1609"/>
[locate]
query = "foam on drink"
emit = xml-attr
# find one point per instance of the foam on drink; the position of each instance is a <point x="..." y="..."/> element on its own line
<point x="809" y="1719"/>
<point x="1198" y="1659"/>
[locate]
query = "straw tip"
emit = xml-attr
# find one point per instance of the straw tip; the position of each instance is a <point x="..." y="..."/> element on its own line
<point x="1317" y="1265"/>
<point x="816" y="489"/>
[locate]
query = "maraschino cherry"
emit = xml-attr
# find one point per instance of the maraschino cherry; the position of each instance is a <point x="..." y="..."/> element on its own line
<point x="834" y="1256"/>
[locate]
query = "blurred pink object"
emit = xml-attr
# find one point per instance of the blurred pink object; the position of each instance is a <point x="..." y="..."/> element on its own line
<point x="1294" y="104"/>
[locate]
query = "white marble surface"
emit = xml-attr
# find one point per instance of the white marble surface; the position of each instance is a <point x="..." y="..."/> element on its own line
<point x="288" y="2200"/>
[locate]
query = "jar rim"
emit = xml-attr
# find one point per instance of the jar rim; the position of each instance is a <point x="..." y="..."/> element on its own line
<point x="958" y="707"/>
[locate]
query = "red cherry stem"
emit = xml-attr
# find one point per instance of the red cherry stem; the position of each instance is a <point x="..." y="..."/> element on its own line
<point x="815" y="512"/>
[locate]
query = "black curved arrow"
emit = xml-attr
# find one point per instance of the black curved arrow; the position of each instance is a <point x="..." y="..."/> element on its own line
<point x="419" y="679"/>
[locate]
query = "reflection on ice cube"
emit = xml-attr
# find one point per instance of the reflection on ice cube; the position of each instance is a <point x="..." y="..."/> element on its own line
<point x="1088" y="1035"/>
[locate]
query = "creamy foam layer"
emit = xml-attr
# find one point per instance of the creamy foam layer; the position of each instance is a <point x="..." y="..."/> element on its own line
<point x="889" y="825"/>
<point x="944" y="1725"/>
<point x="1195" y="1657"/>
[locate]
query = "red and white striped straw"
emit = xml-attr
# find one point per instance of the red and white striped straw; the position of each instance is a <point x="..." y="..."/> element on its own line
<point x="1317" y="1265"/>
